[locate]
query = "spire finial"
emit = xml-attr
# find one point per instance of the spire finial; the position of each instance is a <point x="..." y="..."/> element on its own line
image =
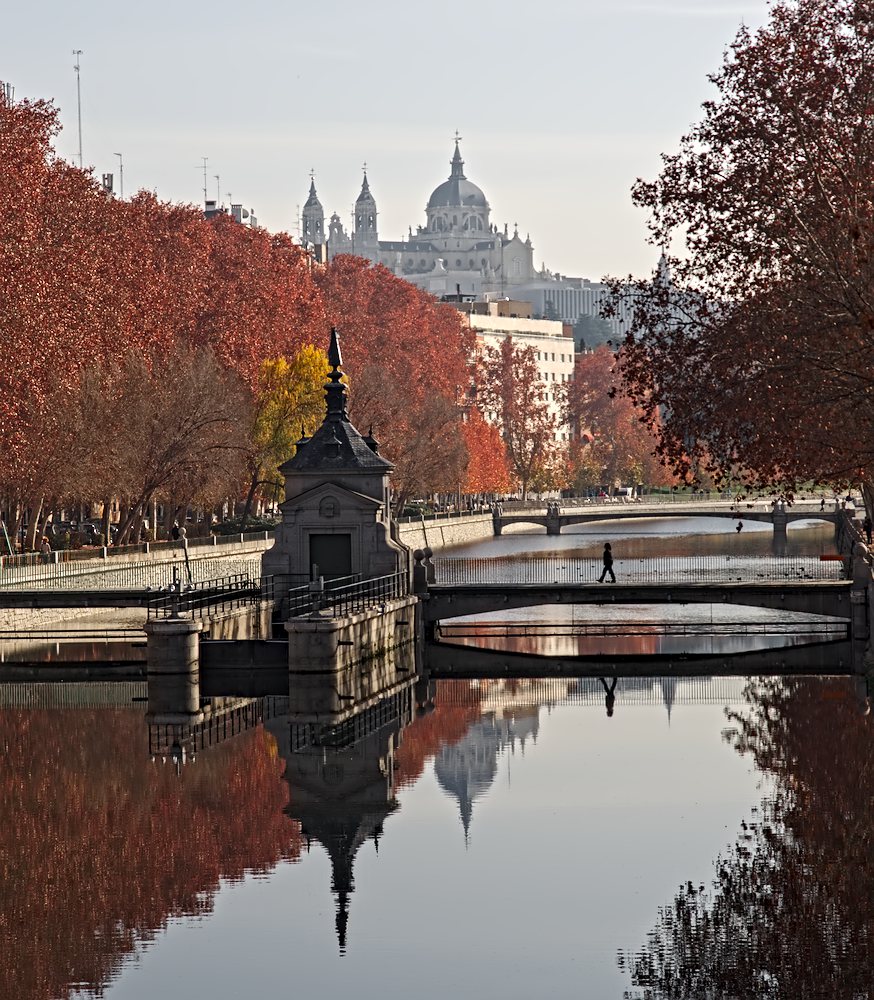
<point x="335" y="390"/>
<point x="456" y="162"/>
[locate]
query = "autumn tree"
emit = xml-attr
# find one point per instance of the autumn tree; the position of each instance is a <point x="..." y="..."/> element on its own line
<point x="177" y="431"/>
<point x="757" y="350"/>
<point x="487" y="458"/>
<point x="407" y="358"/>
<point x="289" y="401"/>
<point x="510" y="392"/>
<point x="612" y="440"/>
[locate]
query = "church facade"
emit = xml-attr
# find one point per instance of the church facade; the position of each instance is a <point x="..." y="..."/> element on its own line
<point x="458" y="250"/>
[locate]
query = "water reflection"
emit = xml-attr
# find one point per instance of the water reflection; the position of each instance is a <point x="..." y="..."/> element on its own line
<point x="464" y="788"/>
<point x="639" y="630"/>
<point x="100" y="847"/>
<point x="790" y="911"/>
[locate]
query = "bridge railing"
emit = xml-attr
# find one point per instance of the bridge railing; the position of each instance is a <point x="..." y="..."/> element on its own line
<point x="205" y="598"/>
<point x="663" y="569"/>
<point x="339" y="599"/>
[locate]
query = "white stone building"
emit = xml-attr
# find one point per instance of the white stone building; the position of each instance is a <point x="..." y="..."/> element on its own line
<point x="459" y="250"/>
<point x="550" y="340"/>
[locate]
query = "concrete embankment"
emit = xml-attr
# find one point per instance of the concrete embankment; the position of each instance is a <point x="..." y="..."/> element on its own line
<point x="440" y="533"/>
<point x="153" y="566"/>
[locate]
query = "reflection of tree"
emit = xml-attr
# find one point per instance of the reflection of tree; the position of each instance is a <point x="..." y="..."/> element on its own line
<point x="99" y="847"/>
<point x="791" y="911"/>
<point x="456" y="706"/>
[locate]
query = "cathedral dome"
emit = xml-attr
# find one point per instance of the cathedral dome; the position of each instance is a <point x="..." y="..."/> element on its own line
<point x="458" y="191"/>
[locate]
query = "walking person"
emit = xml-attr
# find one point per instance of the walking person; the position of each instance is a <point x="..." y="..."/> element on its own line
<point x="607" y="559"/>
<point x="867" y="527"/>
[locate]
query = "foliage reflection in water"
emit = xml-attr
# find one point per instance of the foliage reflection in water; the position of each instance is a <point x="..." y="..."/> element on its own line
<point x="574" y="807"/>
<point x="790" y="912"/>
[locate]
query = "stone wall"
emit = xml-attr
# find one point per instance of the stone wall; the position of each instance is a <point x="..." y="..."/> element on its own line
<point x="337" y="662"/>
<point x="443" y="533"/>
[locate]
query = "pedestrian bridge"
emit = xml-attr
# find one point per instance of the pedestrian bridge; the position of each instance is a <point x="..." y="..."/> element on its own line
<point x="819" y="597"/>
<point x="554" y="517"/>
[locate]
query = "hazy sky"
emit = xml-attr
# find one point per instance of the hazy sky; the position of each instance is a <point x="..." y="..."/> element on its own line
<point x="561" y="103"/>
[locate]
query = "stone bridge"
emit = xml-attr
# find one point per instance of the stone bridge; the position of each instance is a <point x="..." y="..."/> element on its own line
<point x="554" y="518"/>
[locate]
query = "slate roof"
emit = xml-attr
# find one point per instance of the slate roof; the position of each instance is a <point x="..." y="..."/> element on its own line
<point x="336" y="446"/>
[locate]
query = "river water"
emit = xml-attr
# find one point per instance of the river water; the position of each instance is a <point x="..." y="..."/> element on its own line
<point x="564" y="838"/>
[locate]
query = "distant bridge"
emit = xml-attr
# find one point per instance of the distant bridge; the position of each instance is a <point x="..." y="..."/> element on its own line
<point x="553" y="517"/>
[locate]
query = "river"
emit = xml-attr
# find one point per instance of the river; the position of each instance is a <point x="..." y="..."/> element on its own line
<point x="564" y="838"/>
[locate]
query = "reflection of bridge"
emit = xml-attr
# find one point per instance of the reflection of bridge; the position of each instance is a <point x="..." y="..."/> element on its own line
<point x="553" y="518"/>
<point x="445" y="660"/>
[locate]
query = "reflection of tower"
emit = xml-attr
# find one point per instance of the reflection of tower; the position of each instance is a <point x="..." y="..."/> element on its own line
<point x="669" y="691"/>
<point x="467" y="769"/>
<point x="341" y="783"/>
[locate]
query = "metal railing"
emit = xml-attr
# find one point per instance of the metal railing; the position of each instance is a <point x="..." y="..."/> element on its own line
<point x="336" y="599"/>
<point x="205" y="598"/>
<point x="181" y="741"/>
<point x="663" y="569"/>
<point x="316" y="737"/>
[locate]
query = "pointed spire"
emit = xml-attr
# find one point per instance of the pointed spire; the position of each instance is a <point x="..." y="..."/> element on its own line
<point x="335" y="390"/>
<point x="313" y="198"/>
<point x="371" y="441"/>
<point x="456" y="163"/>
<point x="365" y="189"/>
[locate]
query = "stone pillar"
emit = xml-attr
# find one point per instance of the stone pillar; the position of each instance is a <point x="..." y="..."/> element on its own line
<point x="420" y="577"/>
<point x="496" y="519"/>
<point x="780" y="520"/>
<point x="173" y="664"/>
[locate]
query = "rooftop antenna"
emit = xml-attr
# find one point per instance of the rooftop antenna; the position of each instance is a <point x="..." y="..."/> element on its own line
<point x="204" y="161"/>
<point x="120" y="175"/>
<point x="77" y="53"/>
<point x="218" y="193"/>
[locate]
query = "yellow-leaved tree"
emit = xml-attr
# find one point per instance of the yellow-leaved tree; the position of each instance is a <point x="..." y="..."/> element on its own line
<point x="289" y="403"/>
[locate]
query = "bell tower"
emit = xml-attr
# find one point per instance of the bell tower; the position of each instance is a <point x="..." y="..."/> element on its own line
<point x="366" y="238"/>
<point x="313" y="218"/>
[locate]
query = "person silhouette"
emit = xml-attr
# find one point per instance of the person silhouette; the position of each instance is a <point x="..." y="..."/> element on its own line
<point x="609" y="694"/>
<point x="607" y="559"/>
<point x="740" y="527"/>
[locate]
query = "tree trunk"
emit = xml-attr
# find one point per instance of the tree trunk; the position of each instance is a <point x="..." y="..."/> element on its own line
<point x="247" y="509"/>
<point x="32" y="525"/>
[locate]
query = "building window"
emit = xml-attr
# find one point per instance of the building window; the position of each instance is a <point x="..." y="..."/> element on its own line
<point x="458" y="262"/>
